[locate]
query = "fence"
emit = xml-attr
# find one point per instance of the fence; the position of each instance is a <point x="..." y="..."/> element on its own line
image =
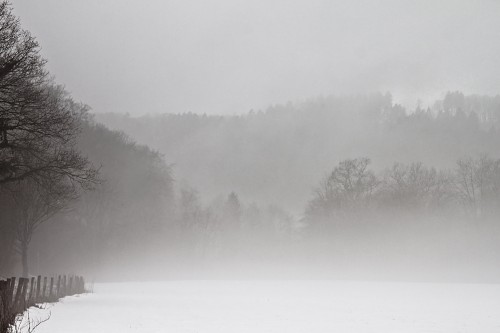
<point x="18" y="294"/>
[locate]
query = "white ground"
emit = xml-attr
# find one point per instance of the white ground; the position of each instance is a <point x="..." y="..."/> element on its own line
<point x="277" y="306"/>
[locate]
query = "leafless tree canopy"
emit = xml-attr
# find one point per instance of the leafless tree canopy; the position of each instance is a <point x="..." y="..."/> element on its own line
<point x="38" y="120"/>
<point x="41" y="170"/>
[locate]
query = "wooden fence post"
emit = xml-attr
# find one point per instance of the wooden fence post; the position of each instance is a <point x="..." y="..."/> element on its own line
<point x="25" y="291"/>
<point x="38" y="288"/>
<point x="64" y="285"/>
<point x="3" y="286"/>
<point x="19" y="290"/>
<point x="44" y="292"/>
<point x="70" y="291"/>
<point x="8" y="293"/>
<point x="20" y="300"/>
<point x="58" y="293"/>
<point x="3" y="297"/>
<point x="32" y="290"/>
<point x="51" y="287"/>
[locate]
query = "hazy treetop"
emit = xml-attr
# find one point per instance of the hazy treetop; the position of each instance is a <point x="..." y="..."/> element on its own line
<point x="228" y="56"/>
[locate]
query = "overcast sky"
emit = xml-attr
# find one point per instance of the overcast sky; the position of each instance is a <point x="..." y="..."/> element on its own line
<point x="229" y="56"/>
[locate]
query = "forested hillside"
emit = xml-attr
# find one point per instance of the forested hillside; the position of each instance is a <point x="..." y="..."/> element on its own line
<point x="276" y="155"/>
<point x="107" y="226"/>
<point x="74" y="195"/>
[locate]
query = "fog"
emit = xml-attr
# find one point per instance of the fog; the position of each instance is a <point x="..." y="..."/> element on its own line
<point x="227" y="57"/>
<point x="234" y="138"/>
<point x="204" y="152"/>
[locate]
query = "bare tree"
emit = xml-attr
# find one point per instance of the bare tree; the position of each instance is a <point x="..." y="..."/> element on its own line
<point x="39" y="125"/>
<point x="38" y="121"/>
<point x="35" y="203"/>
<point x="415" y="187"/>
<point x="478" y="183"/>
<point x="349" y="188"/>
<point x="40" y="143"/>
<point x="190" y="209"/>
<point x="410" y="185"/>
<point x="232" y="209"/>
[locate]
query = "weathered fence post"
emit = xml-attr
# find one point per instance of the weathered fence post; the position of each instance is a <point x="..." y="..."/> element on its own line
<point x="3" y="292"/>
<point x="32" y="290"/>
<point x="70" y="288"/>
<point x="81" y="285"/>
<point x="20" y="300"/>
<point x="51" y="287"/>
<point x="3" y="297"/>
<point x="25" y="291"/>
<point x="64" y="285"/>
<point x="38" y="288"/>
<point x="5" y="310"/>
<point x="44" y="292"/>
<point x="10" y="292"/>
<point x="3" y="287"/>
<point x="19" y="291"/>
<point x="58" y="293"/>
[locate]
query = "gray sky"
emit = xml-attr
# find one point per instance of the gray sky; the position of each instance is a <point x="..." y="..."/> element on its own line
<point x="229" y="56"/>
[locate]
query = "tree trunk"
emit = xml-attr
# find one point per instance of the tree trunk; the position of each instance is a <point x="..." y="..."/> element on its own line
<point x="24" y="255"/>
<point x="7" y="253"/>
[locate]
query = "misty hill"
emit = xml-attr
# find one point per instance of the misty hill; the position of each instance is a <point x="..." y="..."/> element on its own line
<point x="277" y="155"/>
<point x="102" y="229"/>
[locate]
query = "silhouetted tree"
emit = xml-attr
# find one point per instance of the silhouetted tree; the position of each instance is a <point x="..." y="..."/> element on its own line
<point x="40" y="167"/>
<point x="189" y="207"/>
<point x="410" y="186"/>
<point x="35" y="202"/>
<point x="478" y="183"/>
<point x="38" y="121"/>
<point x="350" y="186"/>
<point x="233" y="208"/>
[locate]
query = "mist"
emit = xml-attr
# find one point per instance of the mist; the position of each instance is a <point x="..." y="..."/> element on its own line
<point x="230" y="166"/>
<point x="228" y="57"/>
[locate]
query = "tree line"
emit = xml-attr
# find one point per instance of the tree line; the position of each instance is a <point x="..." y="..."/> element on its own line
<point x="470" y="190"/>
<point x="77" y="196"/>
<point x="287" y="146"/>
<point x="407" y="221"/>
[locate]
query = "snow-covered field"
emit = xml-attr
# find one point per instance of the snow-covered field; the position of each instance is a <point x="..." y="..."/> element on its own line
<point x="277" y="306"/>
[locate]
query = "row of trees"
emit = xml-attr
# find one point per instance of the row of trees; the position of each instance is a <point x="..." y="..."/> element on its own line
<point x="228" y="229"/>
<point x="407" y="221"/>
<point x="472" y="189"/>
<point x="283" y="149"/>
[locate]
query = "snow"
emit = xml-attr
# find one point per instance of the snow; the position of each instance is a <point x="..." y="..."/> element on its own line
<point x="277" y="306"/>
